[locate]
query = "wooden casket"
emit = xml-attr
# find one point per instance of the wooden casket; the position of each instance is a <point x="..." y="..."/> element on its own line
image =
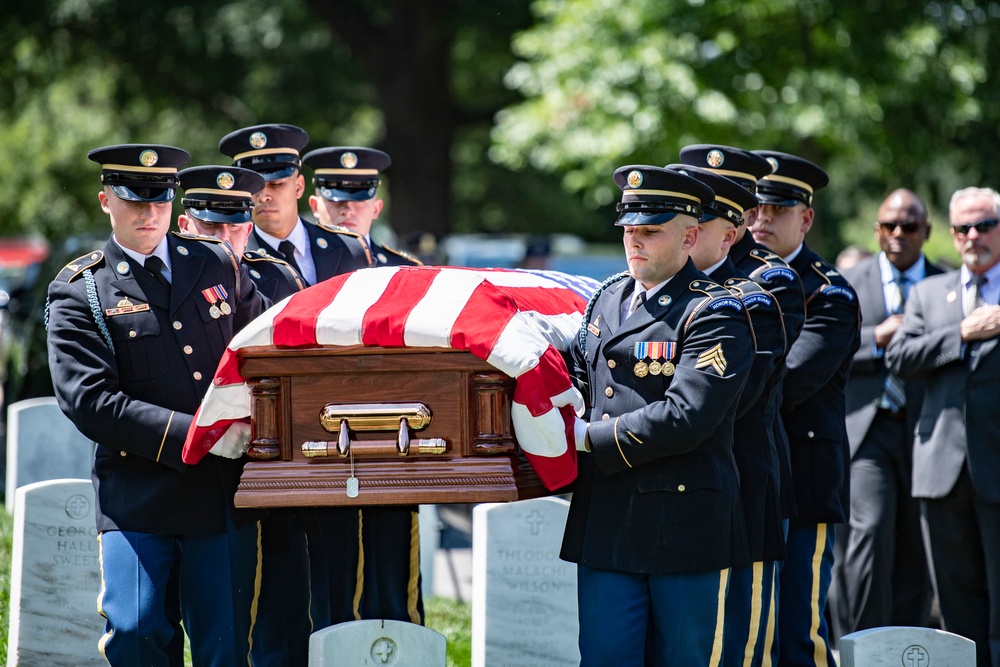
<point x="359" y="425"/>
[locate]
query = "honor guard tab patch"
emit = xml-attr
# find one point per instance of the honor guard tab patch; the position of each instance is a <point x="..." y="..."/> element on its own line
<point x="778" y="273"/>
<point x="712" y="358"/>
<point x="727" y="302"/>
<point x="758" y="298"/>
<point x="837" y="290"/>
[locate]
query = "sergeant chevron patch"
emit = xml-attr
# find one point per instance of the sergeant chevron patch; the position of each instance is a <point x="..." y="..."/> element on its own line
<point x="713" y="358"/>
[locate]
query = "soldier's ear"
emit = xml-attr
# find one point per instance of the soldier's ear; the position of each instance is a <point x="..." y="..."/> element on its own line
<point x="184" y="224"/>
<point x="314" y="204"/>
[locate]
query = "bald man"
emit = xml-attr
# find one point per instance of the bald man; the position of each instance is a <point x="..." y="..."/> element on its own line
<point x="880" y="572"/>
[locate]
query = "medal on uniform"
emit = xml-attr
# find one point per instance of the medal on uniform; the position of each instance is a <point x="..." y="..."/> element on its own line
<point x="655" y="353"/>
<point x="216" y="296"/>
<point x="641" y="369"/>
<point x="669" y="349"/>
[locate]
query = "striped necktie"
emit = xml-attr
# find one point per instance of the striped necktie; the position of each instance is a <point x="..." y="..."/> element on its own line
<point x="894" y="391"/>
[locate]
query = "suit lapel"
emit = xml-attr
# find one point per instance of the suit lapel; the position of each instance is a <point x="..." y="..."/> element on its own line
<point x="611" y="306"/>
<point x="140" y="289"/>
<point x="326" y="257"/>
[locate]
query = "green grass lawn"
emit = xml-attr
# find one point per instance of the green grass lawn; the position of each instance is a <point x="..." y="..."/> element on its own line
<point x="451" y="618"/>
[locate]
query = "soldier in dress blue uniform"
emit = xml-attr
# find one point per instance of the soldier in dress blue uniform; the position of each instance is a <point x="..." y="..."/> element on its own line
<point x="369" y="567"/>
<point x="218" y="201"/>
<point x="655" y="523"/>
<point x="750" y="588"/>
<point x="135" y="332"/>
<point x="315" y="252"/>
<point x="813" y="406"/>
<point x="347" y="180"/>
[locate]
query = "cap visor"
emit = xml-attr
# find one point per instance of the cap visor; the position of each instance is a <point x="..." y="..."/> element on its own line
<point x="633" y="218"/>
<point x="275" y="174"/>
<point x="143" y="194"/>
<point x="219" y="217"/>
<point x="339" y="194"/>
<point x="777" y="200"/>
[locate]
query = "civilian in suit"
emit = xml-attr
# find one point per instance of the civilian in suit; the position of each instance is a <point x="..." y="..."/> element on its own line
<point x="949" y="339"/>
<point x="315" y="253"/>
<point x="880" y="574"/>
<point x="812" y="406"/>
<point x="372" y="561"/>
<point x="655" y="523"/>
<point x="135" y="332"/>
<point x="748" y="602"/>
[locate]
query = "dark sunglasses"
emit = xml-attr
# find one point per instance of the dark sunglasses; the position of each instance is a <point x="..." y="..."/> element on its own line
<point x="982" y="226"/>
<point x="908" y="227"/>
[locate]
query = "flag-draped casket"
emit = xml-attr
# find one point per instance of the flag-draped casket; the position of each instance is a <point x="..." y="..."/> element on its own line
<point x="401" y="385"/>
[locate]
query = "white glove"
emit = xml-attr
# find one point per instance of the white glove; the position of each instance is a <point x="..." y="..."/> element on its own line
<point x="580" y="431"/>
<point x="234" y="443"/>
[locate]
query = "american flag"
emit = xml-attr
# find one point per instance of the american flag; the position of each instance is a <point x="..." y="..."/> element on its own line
<point x="517" y="320"/>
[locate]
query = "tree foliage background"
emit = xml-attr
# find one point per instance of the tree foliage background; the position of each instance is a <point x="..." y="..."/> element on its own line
<point x="507" y="115"/>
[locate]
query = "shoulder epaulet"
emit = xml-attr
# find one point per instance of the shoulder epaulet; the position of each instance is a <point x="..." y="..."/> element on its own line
<point x="824" y="271"/>
<point x="196" y="237"/>
<point x="261" y="255"/>
<point x="75" y="268"/>
<point x="764" y="255"/>
<point x="717" y="297"/>
<point x="737" y="283"/>
<point x="405" y="255"/>
<point x="337" y="229"/>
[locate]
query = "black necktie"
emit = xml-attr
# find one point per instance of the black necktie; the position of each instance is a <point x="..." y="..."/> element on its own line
<point x="287" y="248"/>
<point x="154" y="265"/>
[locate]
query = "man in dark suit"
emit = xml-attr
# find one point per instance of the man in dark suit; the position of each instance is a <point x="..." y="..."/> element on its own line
<point x="880" y="574"/>
<point x="949" y="338"/>
<point x="748" y="602"/>
<point x="369" y="566"/>
<point x="135" y="332"/>
<point x="347" y="180"/>
<point x="812" y="406"/>
<point x="655" y="523"/>
<point x="315" y="252"/>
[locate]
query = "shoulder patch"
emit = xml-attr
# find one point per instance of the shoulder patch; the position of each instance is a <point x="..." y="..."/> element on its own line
<point x="72" y="270"/>
<point x="778" y="273"/>
<point x="758" y="299"/>
<point x="837" y="290"/>
<point x="726" y="302"/>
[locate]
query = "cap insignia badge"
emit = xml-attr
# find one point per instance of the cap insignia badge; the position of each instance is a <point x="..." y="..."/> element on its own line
<point x="148" y="158"/>
<point x="349" y="160"/>
<point x="634" y="179"/>
<point x="225" y="180"/>
<point x="258" y="140"/>
<point x="715" y="158"/>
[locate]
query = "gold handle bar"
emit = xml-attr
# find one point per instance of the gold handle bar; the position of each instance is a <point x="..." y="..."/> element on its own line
<point x="374" y="416"/>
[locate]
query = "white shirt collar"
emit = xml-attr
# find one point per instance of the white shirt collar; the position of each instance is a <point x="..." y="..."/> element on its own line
<point x="793" y="254"/>
<point x="162" y="251"/>
<point x="298" y="237"/>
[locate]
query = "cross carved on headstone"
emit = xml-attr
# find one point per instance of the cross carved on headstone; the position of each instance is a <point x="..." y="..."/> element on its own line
<point x="916" y="656"/>
<point x="535" y="521"/>
<point x="382" y="650"/>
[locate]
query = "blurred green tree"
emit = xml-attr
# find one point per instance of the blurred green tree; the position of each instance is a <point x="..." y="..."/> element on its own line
<point x="881" y="93"/>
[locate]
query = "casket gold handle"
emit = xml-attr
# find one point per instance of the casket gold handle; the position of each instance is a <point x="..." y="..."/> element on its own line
<point x="374" y="416"/>
<point x="401" y="446"/>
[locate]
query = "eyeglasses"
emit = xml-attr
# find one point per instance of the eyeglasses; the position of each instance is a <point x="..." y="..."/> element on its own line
<point x="982" y="226"/>
<point x="908" y="226"/>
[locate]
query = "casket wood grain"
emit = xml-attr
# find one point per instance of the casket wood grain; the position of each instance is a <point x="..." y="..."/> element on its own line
<point x="469" y="401"/>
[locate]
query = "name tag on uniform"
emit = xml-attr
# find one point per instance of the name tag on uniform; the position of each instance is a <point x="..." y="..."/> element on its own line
<point x="125" y="307"/>
<point x="594" y="330"/>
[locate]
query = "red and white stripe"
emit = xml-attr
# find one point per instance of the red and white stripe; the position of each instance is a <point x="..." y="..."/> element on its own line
<point x="518" y="321"/>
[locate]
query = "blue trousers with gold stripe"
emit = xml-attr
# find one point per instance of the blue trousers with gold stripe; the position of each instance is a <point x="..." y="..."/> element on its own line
<point x="215" y="578"/>
<point x="749" y="628"/>
<point x="803" y="634"/>
<point x="657" y="620"/>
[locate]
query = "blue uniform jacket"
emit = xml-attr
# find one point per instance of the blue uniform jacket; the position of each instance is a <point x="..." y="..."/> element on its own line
<point x="660" y="493"/>
<point x="137" y="400"/>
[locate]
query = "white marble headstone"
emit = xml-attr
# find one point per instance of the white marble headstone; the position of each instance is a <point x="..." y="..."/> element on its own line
<point x="906" y="647"/>
<point x="524" y="606"/>
<point x="42" y="443"/>
<point x="55" y="577"/>
<point x="377" y="643"/>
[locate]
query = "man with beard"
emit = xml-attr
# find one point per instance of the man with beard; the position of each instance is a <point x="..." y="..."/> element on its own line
<point x="880" y="573"/>
<point x="949" y="338"/>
